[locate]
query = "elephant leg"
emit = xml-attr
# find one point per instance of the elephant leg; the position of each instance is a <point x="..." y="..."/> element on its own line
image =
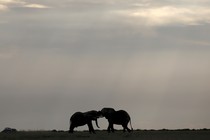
<point x="71" y="129"/>
<point x="90" y="126"/>
<point x="128" y="129"/>
<point x="110" y="128"/>
<point x="125" y="127"/>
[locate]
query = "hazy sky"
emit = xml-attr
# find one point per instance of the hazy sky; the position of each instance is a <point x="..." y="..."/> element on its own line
<point x="149" y="57"/>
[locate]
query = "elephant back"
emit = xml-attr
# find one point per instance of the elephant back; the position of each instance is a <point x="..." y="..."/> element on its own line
<point x="76" y="115"/>
<point x="78" y="118"/>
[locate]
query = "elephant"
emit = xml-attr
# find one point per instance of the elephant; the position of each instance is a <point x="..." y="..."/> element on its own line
<point x="83" y="118"/>
<point x="119" y="117"/>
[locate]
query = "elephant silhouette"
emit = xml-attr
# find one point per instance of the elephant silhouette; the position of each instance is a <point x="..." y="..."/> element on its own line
<point x="83" y="118"/>
<point x="119" y="117"/>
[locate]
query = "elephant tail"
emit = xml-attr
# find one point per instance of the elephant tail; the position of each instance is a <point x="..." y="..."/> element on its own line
<point x="131" y="125"/>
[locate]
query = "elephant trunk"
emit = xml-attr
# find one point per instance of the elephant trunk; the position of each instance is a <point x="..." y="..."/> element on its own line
<point x="97" y="123"/>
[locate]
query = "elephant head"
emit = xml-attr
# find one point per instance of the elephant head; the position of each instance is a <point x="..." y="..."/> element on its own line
<point x="119" y="117"/>
<point x="83" y="118"/>
<point x="107" y="112"/>
<point x="93" y="115"/>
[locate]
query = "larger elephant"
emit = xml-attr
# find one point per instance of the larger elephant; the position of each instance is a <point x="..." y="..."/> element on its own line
<point x="83" y="118"/>
<point x="119" y="117"/>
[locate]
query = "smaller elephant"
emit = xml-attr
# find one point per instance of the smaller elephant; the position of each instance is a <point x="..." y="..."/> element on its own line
<point x="83" y="118"/>
<point x="119" y="117"/>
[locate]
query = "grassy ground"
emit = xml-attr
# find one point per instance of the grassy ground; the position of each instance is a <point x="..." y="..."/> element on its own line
<point x="103" y="135"/>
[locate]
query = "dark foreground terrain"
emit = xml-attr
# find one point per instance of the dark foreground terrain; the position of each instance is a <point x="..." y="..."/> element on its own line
<point x="103" y="135"/>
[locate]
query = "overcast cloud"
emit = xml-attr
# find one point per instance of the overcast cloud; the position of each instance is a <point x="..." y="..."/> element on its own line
<point x="148" y="57"/>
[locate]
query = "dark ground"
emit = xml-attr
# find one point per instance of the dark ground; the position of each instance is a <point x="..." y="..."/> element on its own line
<point x="103" y="135"/>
